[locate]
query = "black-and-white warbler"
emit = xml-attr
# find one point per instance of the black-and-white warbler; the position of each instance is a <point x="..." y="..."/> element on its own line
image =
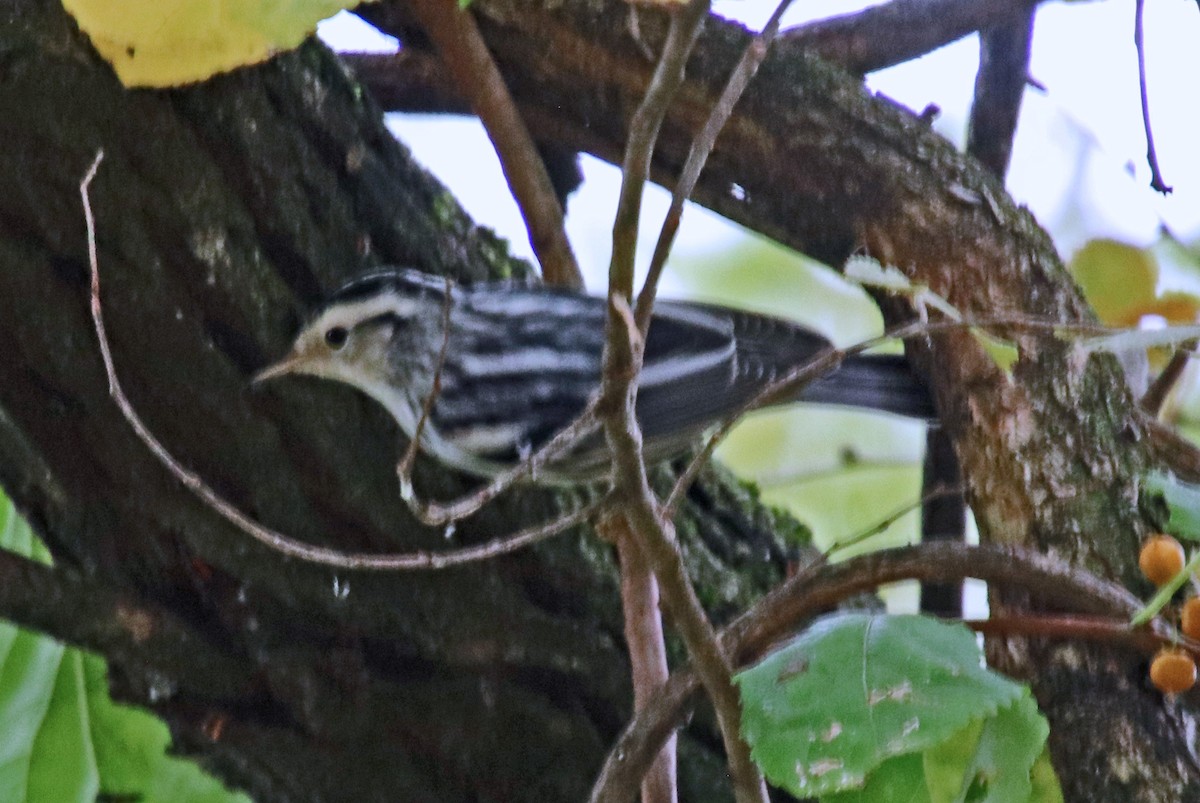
<point x="521" y="361"/>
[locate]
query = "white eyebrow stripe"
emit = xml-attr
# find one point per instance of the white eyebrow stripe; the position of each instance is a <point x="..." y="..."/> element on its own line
<point x="349" y="315"/>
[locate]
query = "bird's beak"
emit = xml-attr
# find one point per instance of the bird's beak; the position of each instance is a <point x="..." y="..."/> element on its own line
<point x="290" y="364"/>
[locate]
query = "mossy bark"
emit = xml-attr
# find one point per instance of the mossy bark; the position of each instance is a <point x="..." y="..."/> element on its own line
<point x="224" y="212"/>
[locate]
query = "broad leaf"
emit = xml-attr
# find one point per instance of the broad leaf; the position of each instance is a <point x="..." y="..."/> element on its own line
<point x="62" y="738"/>
<point x="855" y="690"/>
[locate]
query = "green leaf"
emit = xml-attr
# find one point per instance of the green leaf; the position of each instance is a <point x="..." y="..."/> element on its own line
<point x="897" y="780"/>
<point x="993" y="758"/>
<point x="62" y="738"/>
<point x="28" y="678"/>
<point x="1004" y="353"/>
<point x="855" y="690"/>
<point x="1044" y="780"/>
<point x="131" y="752"/>
<point x="63" y="763"/>
<point x="946" y="764"/>
<point x="1180" y="500"/>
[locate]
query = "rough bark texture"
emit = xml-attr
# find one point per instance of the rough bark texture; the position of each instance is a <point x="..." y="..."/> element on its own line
<point x="226" y="209"/>
<point x="224" y="212"/>
<point x="1052" y="458"/>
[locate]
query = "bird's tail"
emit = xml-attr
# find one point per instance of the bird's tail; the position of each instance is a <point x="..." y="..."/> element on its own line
<point x="876" y="382"/>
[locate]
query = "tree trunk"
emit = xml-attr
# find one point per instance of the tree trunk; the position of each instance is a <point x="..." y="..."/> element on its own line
<point x="226" y="210"/>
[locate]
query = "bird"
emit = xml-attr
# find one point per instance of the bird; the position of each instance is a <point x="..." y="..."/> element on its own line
<point x="520" y="361"/>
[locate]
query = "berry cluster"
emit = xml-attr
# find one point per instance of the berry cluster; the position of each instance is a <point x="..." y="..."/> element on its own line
<point x="1173" y="669"/>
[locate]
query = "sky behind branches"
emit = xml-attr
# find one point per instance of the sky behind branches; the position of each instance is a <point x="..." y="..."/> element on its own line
<point x="1079" y="159"/>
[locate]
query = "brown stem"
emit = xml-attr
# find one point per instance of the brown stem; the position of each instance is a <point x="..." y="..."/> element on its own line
<point x="466" y="57"/>
<point x="622" y="361"/>
<point x="647" y="648"/>
<point x="1157" y="182"/>
<point x="1164" y="383"/>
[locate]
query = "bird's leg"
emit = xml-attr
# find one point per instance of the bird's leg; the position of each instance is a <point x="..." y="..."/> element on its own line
<point x="437" y="514"/>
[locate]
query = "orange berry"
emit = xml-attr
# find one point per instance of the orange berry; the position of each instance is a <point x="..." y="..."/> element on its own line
<point x="1172" y="671"/>
<point x="1161" y="558"/>
<point x="1189" y="620"/>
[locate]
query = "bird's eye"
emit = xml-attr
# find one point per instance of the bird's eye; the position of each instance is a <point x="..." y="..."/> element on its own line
<point x="335" y="338"/>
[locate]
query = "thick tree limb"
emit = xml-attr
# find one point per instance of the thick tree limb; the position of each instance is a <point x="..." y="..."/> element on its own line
<point x="1052" y="458"/>
<point x="895" y="32"/>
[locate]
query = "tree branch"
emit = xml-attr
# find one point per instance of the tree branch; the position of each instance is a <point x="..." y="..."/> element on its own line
<point x="898" y="31"/>
<point x="654" y="535"/>
<point x="466" y="57"/>
<point x="999" y="87"/>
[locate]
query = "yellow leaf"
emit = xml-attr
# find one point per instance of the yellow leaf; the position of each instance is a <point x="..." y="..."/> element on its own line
<point x="172" y="42"/>
<point x="1175" y="307"/>
<point x="1118" y="279"/>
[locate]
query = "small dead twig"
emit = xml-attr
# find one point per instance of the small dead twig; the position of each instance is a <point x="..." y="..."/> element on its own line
<point x="286" y="545"/>
<point x="1157" y="183"/>
<point x="698" y="155"/>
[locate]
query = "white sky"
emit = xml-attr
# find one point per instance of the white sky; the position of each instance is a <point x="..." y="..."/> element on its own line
<point x="1085" y="130"/>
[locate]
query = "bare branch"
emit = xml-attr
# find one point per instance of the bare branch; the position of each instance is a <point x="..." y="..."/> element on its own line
<point x="896" y="32"/>
<point x="466" y="56"/>
<point x="698" y="154"/>
<point x="1139" y="41"/>
<point x="999" y="87"/>
<point x="1164" y="383"/>
<point x="405" y="561"/>
<point x="622" y="361"/>
<point x="647" y="647"/>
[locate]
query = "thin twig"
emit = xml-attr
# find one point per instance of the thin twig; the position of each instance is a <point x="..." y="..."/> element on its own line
<point x="437" y="514"/>
<point x="825" y="361"/>
<point x="1156" y="180"/>
<point x="286" y="545"/>
<point x="622" y="360"/>
<point x="1102" y="629"/>
<point x="1156" y="395"/>
<point x="698" y="155"/>
<point x="405" y="467"/>
<point x="878" y="527"/>
<point x="640" y="571"/>
<point x="477" y="77"/>
<point x="647" y="647"/>
<point x="821" y="363"/>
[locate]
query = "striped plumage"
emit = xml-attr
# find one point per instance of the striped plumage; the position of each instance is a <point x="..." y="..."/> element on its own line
<point x="522" y="361"/>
